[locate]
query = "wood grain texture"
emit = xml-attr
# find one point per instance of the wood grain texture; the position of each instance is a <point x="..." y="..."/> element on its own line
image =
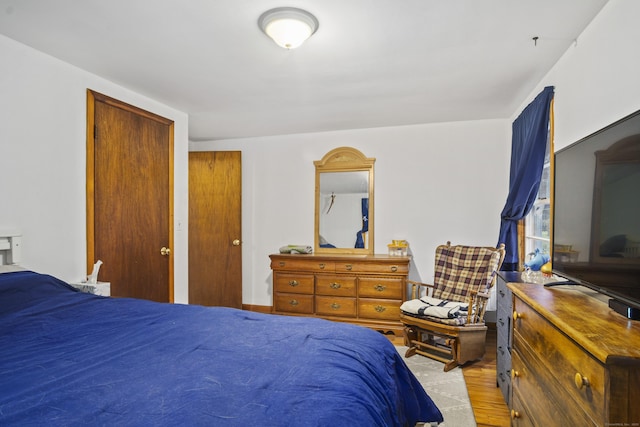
<point x="575" y="361"/>
<point x="361" y="289"/>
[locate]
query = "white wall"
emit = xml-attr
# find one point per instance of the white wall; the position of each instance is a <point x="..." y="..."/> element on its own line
<point x="433" y="183"/>
<point x="597" y="80"/>
<point x="427" y="176"/>
<point x="42" y="160"/>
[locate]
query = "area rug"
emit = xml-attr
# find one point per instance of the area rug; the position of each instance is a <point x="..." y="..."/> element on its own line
<point x="447" y="389"/>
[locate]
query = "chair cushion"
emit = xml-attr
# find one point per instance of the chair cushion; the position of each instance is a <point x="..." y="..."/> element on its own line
<point x="460" y="269"/>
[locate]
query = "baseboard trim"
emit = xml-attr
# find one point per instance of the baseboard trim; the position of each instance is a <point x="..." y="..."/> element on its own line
<point x="267" y="309"/>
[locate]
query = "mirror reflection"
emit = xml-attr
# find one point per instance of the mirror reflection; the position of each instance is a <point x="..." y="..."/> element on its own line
<point x="344" y="209"/>
<point x="344" y="202"/>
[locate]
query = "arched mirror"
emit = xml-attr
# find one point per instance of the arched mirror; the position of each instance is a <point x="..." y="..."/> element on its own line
<point x="344" y="202"/>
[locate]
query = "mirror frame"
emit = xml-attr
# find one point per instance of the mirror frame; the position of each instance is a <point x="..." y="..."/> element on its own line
<point x="344" y="159"/>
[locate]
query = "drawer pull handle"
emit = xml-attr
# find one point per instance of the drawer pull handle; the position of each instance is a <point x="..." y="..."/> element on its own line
<point x="349" y="267"/>
<point x="514" y="414"/>
<point x="517" y="315"/>
<point x="501" y="350"/>
<point x="514" y="374"/>
<point x="380" y="287"/>
<point x="335" y="306"/>
<point x="281" y="263"/>
<point x="501" y="292"/>
<point x="335" y="285"/>
<point x="321" y="265"/>
<point x="293" y="302"/>
<point x="380" y="308"/>
<point x="293" y="283"/>
<point x="581" y="381"/>
<point x="394" y="268"/>
<point x="501" y="321"/>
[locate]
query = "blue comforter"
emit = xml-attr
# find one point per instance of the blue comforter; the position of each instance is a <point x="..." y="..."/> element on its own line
<point x="69" y="358"/>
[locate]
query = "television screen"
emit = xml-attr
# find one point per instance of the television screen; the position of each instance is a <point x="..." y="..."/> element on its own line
<point x="596" y="211"/>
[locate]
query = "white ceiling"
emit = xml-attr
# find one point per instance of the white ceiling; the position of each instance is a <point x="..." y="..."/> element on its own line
<point x="371" y="63"/>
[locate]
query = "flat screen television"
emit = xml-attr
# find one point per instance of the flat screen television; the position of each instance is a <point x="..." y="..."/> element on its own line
<point x="596" y="213"/>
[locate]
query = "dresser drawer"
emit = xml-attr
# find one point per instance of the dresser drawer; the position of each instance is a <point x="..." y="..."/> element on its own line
<point x="294" y="283"/>
<point x="546" y="403"/>
<point x="378" y="287"/>
<point x="344" y="286"/>
<point x="294" y="303"/>
<point x="335" y="306"/>
<point x="302" y="264"/>
<point x="373" y="268"/>
<point x="519" y="415"/>
<point x="380" y="309"/>
<point x="564" y="361"/>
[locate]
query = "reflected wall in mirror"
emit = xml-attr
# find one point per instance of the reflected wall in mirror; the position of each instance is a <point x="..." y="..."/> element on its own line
<point x="344" y="202"/>
<point x="615" y="234"/>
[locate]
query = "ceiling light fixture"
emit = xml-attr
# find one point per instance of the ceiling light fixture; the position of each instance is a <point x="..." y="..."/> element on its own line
<point x="289" y="27"/>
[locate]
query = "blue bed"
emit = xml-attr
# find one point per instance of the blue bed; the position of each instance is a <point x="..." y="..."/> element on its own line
<point x="71" y="358"/>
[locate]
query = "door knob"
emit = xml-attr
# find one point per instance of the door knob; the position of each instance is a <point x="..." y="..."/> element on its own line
<point x="165" y="251"/>
<point x="236" y="242"/>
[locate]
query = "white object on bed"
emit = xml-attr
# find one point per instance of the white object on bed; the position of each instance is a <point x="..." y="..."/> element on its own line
<point x="10" y="246"/>
<point x="99" y="288"/>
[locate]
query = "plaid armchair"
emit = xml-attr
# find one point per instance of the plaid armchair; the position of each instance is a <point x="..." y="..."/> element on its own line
<point x="445" y="320"/>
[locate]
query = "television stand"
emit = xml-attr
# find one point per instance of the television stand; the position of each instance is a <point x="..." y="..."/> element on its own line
<point x="624" y="309"/>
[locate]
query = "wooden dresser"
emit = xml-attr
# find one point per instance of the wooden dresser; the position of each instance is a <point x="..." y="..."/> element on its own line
<point x="362" y="289"/>
<point x="575" y="362"/>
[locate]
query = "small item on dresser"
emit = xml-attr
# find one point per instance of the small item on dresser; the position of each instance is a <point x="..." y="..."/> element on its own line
<point x="398" y="248"/>
<point x="296" y="249"/>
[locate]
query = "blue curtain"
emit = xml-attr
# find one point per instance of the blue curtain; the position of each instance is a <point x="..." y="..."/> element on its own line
<point x="365" y="223"/>
<point x="530" y="133"/>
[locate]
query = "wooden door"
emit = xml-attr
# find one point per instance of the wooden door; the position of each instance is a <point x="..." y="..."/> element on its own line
<point x="215" y="237"/>
<point x="130" y="198"/>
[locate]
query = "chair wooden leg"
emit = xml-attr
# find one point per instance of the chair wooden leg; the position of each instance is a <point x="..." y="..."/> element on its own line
<point x="453" y="344"/>
<point x="410" y="336"/>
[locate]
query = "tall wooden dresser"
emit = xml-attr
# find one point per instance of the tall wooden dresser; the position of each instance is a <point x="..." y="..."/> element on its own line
<point x="575" y="362"/>
<point x="362" y="289"/>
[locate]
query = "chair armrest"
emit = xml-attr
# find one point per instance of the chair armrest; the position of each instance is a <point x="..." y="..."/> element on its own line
<point x="417" y="287"/>
<point x="477" y="307"/>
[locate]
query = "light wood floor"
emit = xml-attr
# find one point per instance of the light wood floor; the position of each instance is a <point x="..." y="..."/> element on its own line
<point x="488" y="404"/>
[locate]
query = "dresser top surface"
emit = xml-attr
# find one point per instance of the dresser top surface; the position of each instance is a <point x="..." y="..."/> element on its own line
<point x="343" y="257"/>
<point x="586" y="318"/>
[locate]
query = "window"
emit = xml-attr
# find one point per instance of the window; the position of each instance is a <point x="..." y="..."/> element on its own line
<point x="536" y="230"/>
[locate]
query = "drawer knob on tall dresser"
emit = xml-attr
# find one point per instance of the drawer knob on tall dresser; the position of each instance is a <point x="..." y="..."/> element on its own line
<point x="293" y="283"/>
<point x="349" y="267"/>
<point x="335" y="285"/>
<point x="394" y="268"/>
<point x="380" y="287"/>
<point x="335" y="306"/>
<point x="581" y="381"/>
<point x="321" y="265"/>
<point x="380" y="308"/>
<point x="293" y="302"/>
<point x="514" y="414"/>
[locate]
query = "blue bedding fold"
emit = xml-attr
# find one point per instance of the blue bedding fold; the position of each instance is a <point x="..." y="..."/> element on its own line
<point x="70" y="358"/>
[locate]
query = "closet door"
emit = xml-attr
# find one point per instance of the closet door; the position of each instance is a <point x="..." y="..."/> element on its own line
<point x="215" y="237"/>
<point x="130" y="198"/>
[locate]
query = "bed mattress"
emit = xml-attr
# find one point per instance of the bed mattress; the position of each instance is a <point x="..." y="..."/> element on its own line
<point x="71" y="358"/>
